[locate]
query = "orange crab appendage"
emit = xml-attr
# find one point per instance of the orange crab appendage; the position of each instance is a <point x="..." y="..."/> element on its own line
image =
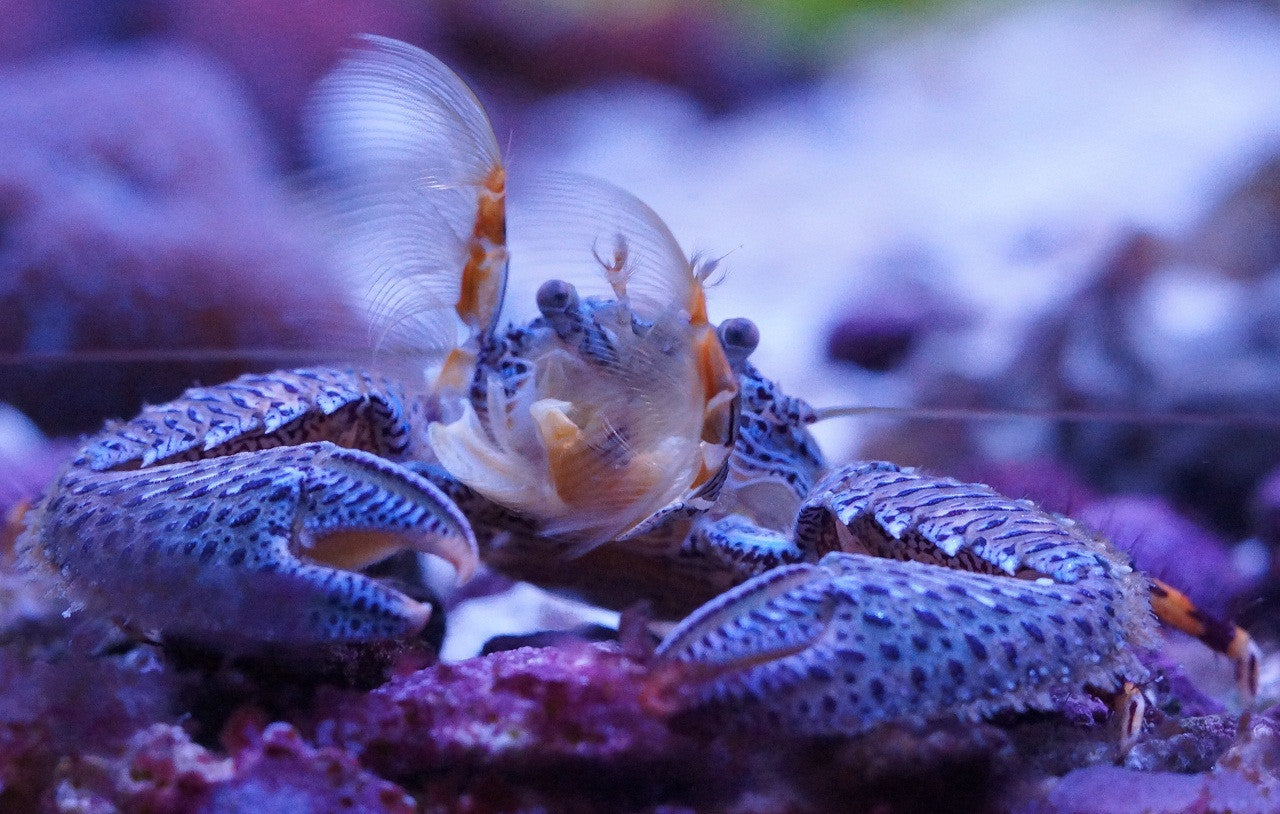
<point x="1176" y="609"/>
<point x="481" y="284"/>
<point x="719" y="388"/>
<point x="586" y="482"/>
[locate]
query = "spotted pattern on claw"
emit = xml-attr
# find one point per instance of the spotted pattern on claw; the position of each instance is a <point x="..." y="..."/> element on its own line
<point x="178" y="521"/>
<point x="859" y="638"/>
<point x="259" y="411"/>
<point x="885" y="510"/>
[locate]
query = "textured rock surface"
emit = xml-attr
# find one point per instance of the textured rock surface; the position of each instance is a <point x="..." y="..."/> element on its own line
<point x="161" y="771"/>
<point x="57" y="700"/>
<point x="522" y="708"/>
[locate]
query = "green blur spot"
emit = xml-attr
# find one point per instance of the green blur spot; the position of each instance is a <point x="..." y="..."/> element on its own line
<point x="814" y="18"/>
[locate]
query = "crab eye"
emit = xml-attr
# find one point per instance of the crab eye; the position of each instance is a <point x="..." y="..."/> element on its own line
<point x="739" y="337"/>
<point x="556" y="297"/>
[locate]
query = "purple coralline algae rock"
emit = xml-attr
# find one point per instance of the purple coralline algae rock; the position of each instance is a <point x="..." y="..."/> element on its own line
<point x="1185" y="746"/>
<point x="141" y="210"/>
<point x="162" y="772"/>
<point x="57" y="701"/>
<point x="568" y="728"/>
<point x="285" y="774"/>
<point x="526" y="706"/>
<point x="1243" y="780"/>
<point x="556" y="728"/>
<point x="1177" y="690"/>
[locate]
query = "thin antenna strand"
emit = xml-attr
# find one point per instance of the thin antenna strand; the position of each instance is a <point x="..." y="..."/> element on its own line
<point x="1110" y="416"/>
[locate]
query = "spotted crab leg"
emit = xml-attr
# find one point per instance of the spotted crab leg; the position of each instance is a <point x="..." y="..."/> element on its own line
<point x="943" y="598"/>
<point x="254" y="545"/>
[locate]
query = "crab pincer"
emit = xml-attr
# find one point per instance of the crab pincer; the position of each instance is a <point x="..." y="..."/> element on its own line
<point x="941" y="599"/>
<point x="253" y="550"/>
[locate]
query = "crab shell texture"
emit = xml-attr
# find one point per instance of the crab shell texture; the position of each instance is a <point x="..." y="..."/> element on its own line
<point x="616" y="445"/>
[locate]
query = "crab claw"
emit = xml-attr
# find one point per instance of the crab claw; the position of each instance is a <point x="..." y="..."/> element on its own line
<point x="735" y="641"/>
<point x="249" y="550"/>
<point x="837" y="647"/>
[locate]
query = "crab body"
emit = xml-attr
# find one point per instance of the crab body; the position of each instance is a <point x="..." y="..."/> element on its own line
<point x="618" y="445"/>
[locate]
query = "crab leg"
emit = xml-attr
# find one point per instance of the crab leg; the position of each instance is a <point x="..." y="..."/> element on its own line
<point x="1176" y="610"/>
<point x="240" y="549"/>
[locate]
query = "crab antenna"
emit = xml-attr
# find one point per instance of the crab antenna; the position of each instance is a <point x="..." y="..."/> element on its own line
<point x="994" y="414"/>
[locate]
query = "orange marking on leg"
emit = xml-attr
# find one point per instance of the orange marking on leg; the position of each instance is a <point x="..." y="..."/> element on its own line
<point x="481" y="284"/>
<point x="455" y="374"/>
<point x="697" y="305"/>
<point x="475" y="279"/>
<point x="719" y="387"/>
<point x="1176" y="609"/>
<point x="491" y="216"/>
<point x="13" y="526"/>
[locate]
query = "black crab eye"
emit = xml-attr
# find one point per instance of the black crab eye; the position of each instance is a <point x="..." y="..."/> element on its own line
<point x="739" y="337"/>
<point x="556" y="297"/>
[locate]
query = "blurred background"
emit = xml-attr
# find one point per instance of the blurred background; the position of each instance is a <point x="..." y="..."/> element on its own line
<point x="1062" y="217"/>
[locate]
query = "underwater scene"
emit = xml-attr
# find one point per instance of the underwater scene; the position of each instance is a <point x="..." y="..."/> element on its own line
<point x="663" y="406"/>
